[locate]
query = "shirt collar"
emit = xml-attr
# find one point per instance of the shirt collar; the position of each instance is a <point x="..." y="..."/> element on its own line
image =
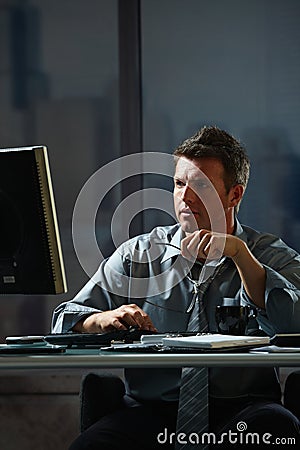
<point x="171" y="251"/>
<point x="239" y="231"/>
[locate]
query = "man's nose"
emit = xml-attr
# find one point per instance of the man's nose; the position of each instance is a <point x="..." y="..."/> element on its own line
<point x="188" y="195"/>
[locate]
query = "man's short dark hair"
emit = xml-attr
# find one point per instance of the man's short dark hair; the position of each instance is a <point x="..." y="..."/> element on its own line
<point x="212" y="142"/>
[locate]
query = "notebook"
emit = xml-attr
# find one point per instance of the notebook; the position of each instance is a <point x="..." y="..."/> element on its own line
<point x="215" y="341"/>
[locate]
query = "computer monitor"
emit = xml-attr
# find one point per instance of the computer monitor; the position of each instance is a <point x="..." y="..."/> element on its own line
<point x="31" y="260"/>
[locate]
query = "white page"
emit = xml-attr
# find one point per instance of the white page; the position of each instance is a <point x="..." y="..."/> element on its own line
<point x="214" y="341"/>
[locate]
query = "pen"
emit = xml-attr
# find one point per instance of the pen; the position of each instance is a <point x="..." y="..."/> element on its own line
<point x="168" y="243"/>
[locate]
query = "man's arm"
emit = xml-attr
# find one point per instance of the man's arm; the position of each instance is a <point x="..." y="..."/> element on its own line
<point x="252" y="273"/>
<point x="102" y="304"/>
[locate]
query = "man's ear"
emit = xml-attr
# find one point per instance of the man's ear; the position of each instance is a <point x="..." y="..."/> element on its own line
<point x="235" y="195"/>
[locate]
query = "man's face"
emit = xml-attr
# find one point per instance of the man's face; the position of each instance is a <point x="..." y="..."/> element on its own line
<point x="199" y="182"/>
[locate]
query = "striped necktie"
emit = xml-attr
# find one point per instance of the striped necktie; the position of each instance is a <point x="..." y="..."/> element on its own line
<point x="193" y="411"/>
<point x="193" y="397"/>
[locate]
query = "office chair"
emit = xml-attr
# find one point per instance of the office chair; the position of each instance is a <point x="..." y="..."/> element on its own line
<point x="291" y="395"/>
<point x="100" y="394"/>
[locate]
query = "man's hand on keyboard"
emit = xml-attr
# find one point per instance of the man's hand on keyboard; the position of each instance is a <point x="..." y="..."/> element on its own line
<point x="116" y="319"/>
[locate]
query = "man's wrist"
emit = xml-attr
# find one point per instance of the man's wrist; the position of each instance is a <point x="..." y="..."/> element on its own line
<point x="82" y="325"/>
<point x="241" y="254"/>
<point x="78" y="327"/>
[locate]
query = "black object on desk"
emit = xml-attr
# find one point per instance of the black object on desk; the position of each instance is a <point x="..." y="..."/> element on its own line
<point x="286" y="340"/>
<point x="16" y="345"/>
<point x="96" y="339"/>
<point x="6" y="349"/>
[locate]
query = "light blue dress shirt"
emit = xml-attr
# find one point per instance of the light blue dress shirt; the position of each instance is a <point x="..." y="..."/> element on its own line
<point x="153" y="276"/>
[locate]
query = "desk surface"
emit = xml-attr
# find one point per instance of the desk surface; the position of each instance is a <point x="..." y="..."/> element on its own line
<point x="93" y="359"/>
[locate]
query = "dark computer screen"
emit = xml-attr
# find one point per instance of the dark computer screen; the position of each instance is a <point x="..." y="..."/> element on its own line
<point x="31" y="260"/>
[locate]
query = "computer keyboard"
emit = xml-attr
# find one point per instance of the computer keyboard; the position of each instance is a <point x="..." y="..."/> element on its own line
<point x="96" y="339"/>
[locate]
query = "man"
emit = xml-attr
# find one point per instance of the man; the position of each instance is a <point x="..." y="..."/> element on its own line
<point x="151" y="286"/>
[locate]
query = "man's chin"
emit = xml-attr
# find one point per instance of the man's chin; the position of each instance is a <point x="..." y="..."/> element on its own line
<point x="190" y="227"/>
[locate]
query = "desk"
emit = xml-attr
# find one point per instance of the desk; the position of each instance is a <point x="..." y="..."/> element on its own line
<point x="95" y="359"/>
<point x="22" y="418"/>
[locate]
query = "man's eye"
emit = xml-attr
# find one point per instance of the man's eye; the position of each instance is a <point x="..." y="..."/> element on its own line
<point x="203" y="185"/>
<point x="179" y="183"/>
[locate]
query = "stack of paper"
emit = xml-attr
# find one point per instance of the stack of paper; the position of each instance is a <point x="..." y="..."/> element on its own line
<point x="215" y="341"/>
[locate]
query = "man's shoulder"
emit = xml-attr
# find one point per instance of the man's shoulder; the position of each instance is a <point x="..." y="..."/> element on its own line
<point x="263" y="239"/>
<point x="253" y="232"/>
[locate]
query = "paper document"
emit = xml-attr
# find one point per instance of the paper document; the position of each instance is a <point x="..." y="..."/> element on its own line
<point x="215" y="341"/>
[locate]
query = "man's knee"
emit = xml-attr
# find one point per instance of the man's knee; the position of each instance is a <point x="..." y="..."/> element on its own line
<point x="272" y="418"/>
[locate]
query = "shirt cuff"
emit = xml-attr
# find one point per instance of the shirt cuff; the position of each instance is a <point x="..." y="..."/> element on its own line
<point x="282" y="309"/>
<point x="73" y="313"/>
<point x="274" y="280"/>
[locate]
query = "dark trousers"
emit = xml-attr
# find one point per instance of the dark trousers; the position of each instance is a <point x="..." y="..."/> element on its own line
<point x="233" y="424"/>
